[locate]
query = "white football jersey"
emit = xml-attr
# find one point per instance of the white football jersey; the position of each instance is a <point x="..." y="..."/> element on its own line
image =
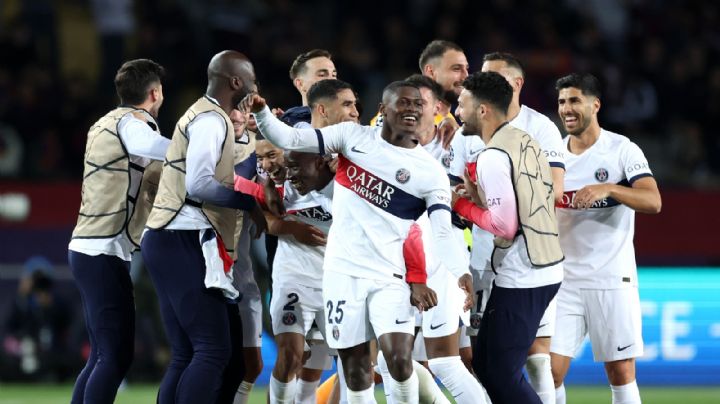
<point x="295" y="262"/>
<point x="598" y="242"/>
<point x="544" y="131"/>
<point x="380" y="190"/>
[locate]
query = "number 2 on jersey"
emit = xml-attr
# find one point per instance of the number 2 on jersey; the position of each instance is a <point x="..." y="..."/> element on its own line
<point x="291" y="303"/>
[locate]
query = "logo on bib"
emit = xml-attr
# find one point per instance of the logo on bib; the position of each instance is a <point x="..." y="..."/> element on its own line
<point x="402" y="175"/>
<point x="601" y="174"/>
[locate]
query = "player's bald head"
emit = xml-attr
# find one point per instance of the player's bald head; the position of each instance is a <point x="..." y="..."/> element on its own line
<point x="231" y="77"/>
<point x="229" y="63"/>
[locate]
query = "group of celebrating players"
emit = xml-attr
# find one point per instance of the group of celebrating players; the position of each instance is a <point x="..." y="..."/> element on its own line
<point x="457" y="236"/>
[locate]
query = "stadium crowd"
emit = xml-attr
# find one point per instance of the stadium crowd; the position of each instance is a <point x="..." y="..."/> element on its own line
<point x="652" y="55"/>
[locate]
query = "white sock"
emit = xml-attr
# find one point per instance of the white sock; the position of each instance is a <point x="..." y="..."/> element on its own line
<point x="243" y="393"/>
<point x="626" y="394"/>
<point x="382" y="369"/>
<point x="560" y="394"/>
<point x="457" y="379"/>
<point x="361" y="397"/>
<point x="406" y="392"/>
<point x="341" y="380"/>
<point x="282" y="393"/>
<point x="305" y="392"/>
<point x="540" y="375"/>
<point x="429" y="390"/>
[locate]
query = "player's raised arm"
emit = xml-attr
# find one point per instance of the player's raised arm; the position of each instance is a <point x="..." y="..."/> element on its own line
<point x="329" y="140"/>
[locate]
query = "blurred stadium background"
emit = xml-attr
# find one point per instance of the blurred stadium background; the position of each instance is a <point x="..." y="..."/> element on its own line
<point x="658" y="60"/>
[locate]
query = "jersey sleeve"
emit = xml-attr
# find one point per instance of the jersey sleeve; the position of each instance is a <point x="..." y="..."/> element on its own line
<point x="459" y="156"/>
<point x="552" y="144"/>
<point x="634" y="163"/>
<point x="331" y="139"/>
<point x="438" y="208"/>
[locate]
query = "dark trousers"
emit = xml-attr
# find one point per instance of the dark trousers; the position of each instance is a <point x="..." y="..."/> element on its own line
<point x="108" y="303"/>
<point x="235" y="369"/>
<point x="507" y="330"/>
<point x="195" y="318"/>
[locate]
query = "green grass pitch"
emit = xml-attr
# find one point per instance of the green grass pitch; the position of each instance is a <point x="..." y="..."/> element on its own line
<point x="143" y="393"/>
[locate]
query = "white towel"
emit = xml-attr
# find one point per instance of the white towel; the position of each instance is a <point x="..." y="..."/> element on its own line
<point x="215" y="274"/>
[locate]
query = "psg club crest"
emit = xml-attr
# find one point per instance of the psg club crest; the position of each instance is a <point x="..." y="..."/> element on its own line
<point x="336" y="333"/>
<point x="289" y="318"/>
<point x="601" y="175"/>
<point x="475" y="321"/>
<point x="402" y="175"/>
<point x="448" y="158"/>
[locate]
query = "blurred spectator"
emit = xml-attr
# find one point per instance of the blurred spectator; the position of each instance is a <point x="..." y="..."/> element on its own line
<point x="36" y="344"/>
<point x="11" y="152"/>
<point x="654" y="56"/>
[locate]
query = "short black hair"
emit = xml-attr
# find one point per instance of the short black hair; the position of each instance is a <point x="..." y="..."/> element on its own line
<point x="436" y="49"/>
<point x="134" y="78"/>
<point x="299" y="65"/>
<point x="490" y="87"/>
<point x="508" y="58"/>
<point x="326" y="89"/>
<point x="393" y="88"/>
<point x="585" y="82"/>
<point x="422" y="81"/>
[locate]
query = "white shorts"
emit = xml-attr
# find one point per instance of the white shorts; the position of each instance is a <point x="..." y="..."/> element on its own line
<point x="482" y="282"/>
<point x="611" y="317"/>
<point x="360" y="309"/>
<point x="250" y="308"/>
<point x="294" y="308"/>
<point x="444" y="319"/>
<point x="546" y="328"/>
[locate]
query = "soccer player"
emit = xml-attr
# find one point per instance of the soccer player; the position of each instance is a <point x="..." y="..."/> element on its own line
<point x="119" y="147"/>
<point x="440" y="325"/>
<point x="189" y="245"/>
<point x="246" y="362"/>
<point x="385" y="182"/>
<point x="445" y="63"/>
<point x="547" y="135"/>
<point x="307" y="69"/>
<point x="297" y="301"/>
<point x="513" y="200"/>
<point x="608" y="179"/>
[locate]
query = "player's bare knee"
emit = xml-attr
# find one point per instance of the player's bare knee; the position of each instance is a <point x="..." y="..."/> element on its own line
<point x="358" y="378"/>
<point x="253" y="370"/>
<point x="400" y="364"/>
<point x="291" y="361"/>
<point x="620" y="372"/>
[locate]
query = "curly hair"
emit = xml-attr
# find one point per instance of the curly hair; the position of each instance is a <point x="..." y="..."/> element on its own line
<point x="490" y="87"/>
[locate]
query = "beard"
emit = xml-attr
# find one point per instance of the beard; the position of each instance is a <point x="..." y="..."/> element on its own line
<point x="450" y="97"/>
